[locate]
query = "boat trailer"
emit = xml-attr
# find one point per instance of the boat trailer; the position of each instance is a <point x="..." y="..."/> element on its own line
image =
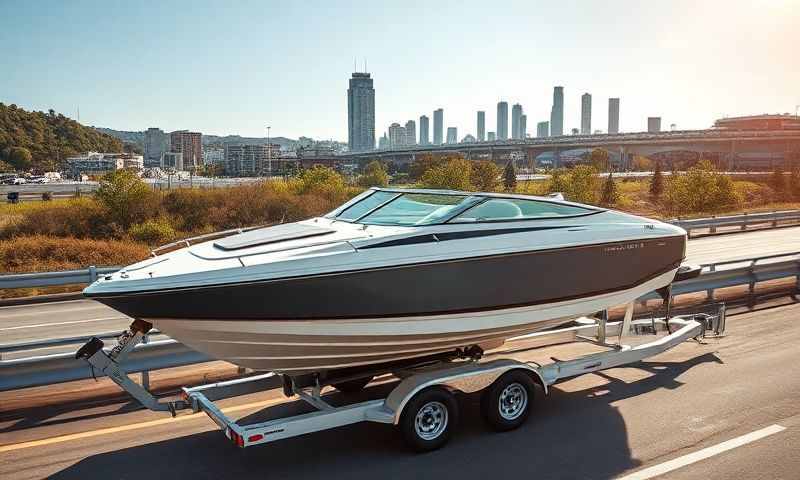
<point x="422" y="403"/>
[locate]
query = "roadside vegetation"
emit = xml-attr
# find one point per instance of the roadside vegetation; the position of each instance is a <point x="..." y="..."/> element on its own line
<point x="124" y="219"/>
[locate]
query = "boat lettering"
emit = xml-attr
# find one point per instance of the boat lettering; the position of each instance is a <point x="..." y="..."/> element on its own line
<point x="623" y="247"/>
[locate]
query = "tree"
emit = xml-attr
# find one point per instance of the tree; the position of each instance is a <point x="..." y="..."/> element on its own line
<point x="610" y="194"/>
<point x="374" y="175"/>
<point x="641" y="163"/>
<point x="125" y="197"/>
<point x="423" y="163"/>
<point x="794" y="184"/>
<point x="599" y="159"/>
<point x="5" y="167"/>
<point x="453" y="175"/>
<point x="510" y="176"/>
<point x="484" y="175"/>
<point x="657" y="182"/>
<point x="20" y="158"/>
<point x="777" y="182"/>
<point x="700" y="190"/>
<point x="583" y="184"/>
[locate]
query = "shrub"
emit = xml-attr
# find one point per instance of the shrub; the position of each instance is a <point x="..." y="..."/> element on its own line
<point x="657" y="182"/>
<point x="153" y="232"/>
<point x="189" y="207"/>
<point x="777" y="181"/>
<point x="610" y="194"/>
<point x="453" y="175"/>
<point x="38" y="253"/>
<point x="484" y="175"/>
<point x="701" y="189"/>
<point x="374" y="175"/>
<point x="77" y="217"/>
<point x="599" y="159"/>
<point x="510" y="176"/>
<point x="323" y="181"/>
<point x="126" y="198"/>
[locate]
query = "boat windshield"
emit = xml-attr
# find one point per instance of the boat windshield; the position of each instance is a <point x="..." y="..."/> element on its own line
<point x="406" y="209"/>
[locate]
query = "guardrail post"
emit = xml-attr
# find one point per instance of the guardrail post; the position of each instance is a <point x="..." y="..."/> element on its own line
<point x="710" y="291"/>
<point x="752" y="286"/>
<point x="92" y="274"/>
<point x="713" y="228"/>
<point x="146" y="373"/>
<point x="744" y="221"/>
<point x="775" y="219"/>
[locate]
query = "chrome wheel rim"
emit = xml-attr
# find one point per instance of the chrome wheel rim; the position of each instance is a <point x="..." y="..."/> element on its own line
<point x="513" y="401"/>
<point x="431" y="420"/>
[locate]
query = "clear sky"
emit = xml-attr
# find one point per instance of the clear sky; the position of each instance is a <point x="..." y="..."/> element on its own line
<point x="235" y="67"/>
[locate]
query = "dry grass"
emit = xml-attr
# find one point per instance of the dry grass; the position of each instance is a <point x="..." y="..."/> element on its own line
<point x="38" y="253"/>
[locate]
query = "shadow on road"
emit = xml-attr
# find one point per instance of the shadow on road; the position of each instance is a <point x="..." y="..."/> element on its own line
<point x="570" y="435"/>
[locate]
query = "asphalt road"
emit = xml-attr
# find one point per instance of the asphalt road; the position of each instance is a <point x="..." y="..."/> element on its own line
<point x="86" y="317"/>
<point x="597" y="426"/>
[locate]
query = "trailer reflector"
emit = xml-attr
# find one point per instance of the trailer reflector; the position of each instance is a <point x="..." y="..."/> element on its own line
<point x="255" y="438"/>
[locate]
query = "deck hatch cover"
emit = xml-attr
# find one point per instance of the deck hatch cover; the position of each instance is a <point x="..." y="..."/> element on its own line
<point x="277" y="233"/>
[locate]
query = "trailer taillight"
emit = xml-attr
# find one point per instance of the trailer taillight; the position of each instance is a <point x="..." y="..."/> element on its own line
<point x="255" y="438"/>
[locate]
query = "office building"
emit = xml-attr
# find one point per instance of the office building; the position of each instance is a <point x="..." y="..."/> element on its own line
<point x="557" y="112"/>
<point x="586" y="114"/>
<point x="424" y="138"/>
<point x="502" y="120"/>
<point x="95" y="163"/>
<point x="383" y="143"/>
<point x="156" y="142"/>
<point x="171" y="161"/>
<point x="361" y="113"/>
<point x="653" y="124"/>
<point x="543" y="129"/>
<point x="613" y="115"/>
<point x="397" y="135"/>
<point x="250" y="160"/>
<point x="438" y="126"/>
<point x="411" y="132"/>
<point x="213" y="155"/>
<point x="491" y="137"/>
<point x="481" y="126"/>
<point x="523" y="126"/>
<point x="516" y="113"/>
<point x="190" y="146"/>
<point x="452" y="135"/>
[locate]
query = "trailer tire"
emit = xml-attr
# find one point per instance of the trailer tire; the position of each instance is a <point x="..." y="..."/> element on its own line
<point x="352" y="386"/>
<point x="429" y="418"/>
<point x="506" y="403"/>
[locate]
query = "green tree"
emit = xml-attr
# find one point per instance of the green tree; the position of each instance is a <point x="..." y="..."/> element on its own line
<point x="453" y="175"/>
<point x="510" y="176"/>
<point x="657" y="182"/>
<point x="610" y="194"/>
<point x="599" y="159"/>
<point x="375" y="175"/>
<point x="777" y="181"/>
<point x="583" y="184"/>
<point x="20" y="158"/>
<point x="423" y="163"/>
<point x="700" y="190"/>
<point x="559" y="181"/>
<point x="5" y="167"/>
<point x="126" y="198"/>
<point x="484" y="175"/>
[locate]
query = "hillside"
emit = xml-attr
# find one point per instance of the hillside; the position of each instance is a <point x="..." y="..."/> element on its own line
<point x="137" y="138"/>
<point x="49" y="137"/>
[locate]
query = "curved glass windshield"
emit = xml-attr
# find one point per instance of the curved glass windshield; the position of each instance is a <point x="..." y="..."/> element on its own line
<point x="406" y="209"/>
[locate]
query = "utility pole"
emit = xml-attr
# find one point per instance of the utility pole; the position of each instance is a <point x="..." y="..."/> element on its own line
<point x="269" y="152"/>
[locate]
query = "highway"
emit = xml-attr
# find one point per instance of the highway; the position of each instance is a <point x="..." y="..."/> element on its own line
<point x="657" y="414"/>
<point x="86" y="317"/>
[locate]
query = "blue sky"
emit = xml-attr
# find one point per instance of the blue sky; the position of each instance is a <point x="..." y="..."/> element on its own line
<point x="234" y="67"/>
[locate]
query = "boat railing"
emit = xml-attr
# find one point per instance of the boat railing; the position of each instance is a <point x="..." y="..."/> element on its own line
<point x="186" y="242"/>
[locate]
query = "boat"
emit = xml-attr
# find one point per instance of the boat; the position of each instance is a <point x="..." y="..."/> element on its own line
<point x="396" y="274"/>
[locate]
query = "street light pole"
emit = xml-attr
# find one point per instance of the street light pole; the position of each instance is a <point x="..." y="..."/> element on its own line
<point x="269" y="153"/>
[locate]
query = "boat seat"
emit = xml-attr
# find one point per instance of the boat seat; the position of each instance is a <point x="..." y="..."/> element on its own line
<point x="496" y="210"/>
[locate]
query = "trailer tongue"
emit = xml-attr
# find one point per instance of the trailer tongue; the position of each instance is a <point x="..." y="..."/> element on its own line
<point x="422" y="403"/>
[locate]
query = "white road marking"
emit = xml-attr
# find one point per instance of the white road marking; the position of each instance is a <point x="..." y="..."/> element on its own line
<point x="703" y="454"/>
<point x="39" y="325"/>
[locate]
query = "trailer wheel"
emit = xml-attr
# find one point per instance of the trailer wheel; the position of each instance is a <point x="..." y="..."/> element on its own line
<point x="506" y="403"/>
<point x="352" y="386"/>
<point x="429" y="418"/>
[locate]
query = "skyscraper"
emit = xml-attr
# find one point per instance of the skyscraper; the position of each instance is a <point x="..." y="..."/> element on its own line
<point x="586" y="114"/>
<point x="516" y="113"/>
<point x="156" y="142"/>
<point x="613" y="115"/>
<point x="424" y="137"/>
<point x="481" y="126"/>
<point x="189" y="145"/>
<point x="523" y="127"/>
<point x="411" y="132"/>
<point x="452" y="135"/>
<point x="438" y="126"/>
<point x="397" y="135"/>
<point x="502" y="120"/>
<point x="543" y="129"/>
<point x="653" y="124"/>
<point x="491" y="137"/>
<point x="361" y="113"/>
<point x="557" y="112"/>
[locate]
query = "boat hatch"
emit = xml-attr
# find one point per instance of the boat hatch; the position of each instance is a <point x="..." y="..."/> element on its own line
<point x="277" y="233"/>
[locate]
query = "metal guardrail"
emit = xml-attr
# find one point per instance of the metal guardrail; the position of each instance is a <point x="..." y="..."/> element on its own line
<point x="741" y="221"/>
<point x="46" y="370"/>
<point x="48" y="279"/>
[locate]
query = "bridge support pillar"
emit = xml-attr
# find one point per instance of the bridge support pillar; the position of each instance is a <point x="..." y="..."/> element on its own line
<point x="623" y="158"/>
<point x="556" y="158"/>
<point x="732" y="154"/>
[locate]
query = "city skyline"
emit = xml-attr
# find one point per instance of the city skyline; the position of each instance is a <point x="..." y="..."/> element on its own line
<point x="217" y="89"/>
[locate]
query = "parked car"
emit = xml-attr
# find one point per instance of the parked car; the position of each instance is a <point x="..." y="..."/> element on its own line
<point x="18" y="181"/>
<point x="39" y="180"/>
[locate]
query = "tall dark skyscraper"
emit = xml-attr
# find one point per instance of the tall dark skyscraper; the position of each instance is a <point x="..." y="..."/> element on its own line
<point x="361" y="113"/>
<point x="424" y="136"/>
<point x="481" y="126"/>
<point x="586" y="114"/>
<point x="613" y="115"/>
<point x="523" y="127"/>
<point x="557" y="112"/>
<point x="438" y="126"/>
<point x="516" y="114"/>
<point x="502" y="120"/>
